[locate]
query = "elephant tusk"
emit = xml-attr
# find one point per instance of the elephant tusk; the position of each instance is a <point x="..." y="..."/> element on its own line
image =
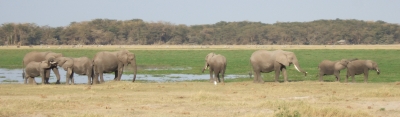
<point x="297" y="68"/>
<point x="215" y="82"/>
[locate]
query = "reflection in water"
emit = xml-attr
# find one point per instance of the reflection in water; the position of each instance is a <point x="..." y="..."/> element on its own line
<point x="15" y="76"/>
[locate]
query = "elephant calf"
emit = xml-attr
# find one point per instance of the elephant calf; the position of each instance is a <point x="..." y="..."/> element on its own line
<point x="327" y="67"/>
<point x="34" y="69"/>
<point x="358" y="67"/>
<point x="81" y="66"/>
<point x="217" y="64"/>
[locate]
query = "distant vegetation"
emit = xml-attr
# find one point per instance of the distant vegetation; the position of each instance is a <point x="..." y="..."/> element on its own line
<point x="137" y="31"/>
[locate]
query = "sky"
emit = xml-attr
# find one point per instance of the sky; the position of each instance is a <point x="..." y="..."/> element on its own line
<point x="56" y="13"/>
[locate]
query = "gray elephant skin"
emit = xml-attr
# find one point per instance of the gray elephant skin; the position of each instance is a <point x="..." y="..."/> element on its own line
<point x="358" y="67"/>
<point x="43" y="56"/>
<point x="217" y="65"/>
<point x="107" y="62"/>
<point x="327" y="67"/>
<point x="34" y="69"/>
<point x="81" y="66"/>
<point x="264" y="61"/>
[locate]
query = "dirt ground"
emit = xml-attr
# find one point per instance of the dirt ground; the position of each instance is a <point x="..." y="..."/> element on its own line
<point x="243" y="99"/>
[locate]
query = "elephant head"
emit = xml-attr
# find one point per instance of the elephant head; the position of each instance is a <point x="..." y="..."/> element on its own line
<point x="46" y="64"/>
<point x="286" y="58"/>
<point x="372" y="66"/>
<point x="207" y="64"/>
<point x="64" y="62"/>
<point x="343" y="63"/>
<point x="126" y="58"/>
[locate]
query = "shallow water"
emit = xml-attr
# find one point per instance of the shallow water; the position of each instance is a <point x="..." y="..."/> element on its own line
<point x="15" y="76"/>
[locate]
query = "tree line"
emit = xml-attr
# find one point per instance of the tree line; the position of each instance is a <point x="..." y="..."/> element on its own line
<point x="139" y="32"/>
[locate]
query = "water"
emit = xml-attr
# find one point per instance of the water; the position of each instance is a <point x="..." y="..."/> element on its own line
<point x="15" y="76"/>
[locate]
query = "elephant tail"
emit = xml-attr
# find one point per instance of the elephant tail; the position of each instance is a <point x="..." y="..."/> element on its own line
<point x="251" y="69"/>
<point x="23" y="70"/>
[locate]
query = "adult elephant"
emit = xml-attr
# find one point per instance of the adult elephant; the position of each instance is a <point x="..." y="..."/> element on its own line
<point x="217" y="65"/>
<point x="107" y="62"/>
<point x="358" y="67"/>
<point x="327" y="67"/>
<point x="81" y="66"/>
<point x="39" y="57"/>
<point x="264" y="61"/>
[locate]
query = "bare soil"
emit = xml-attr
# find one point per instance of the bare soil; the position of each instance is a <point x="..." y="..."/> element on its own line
<point x="242" y="99"/>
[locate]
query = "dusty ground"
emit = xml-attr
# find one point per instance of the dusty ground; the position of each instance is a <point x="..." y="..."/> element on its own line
<point x="208" y="47"/>
<point x="202" y="99"/>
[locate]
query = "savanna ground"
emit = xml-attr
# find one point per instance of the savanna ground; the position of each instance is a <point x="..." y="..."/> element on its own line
<point x="302" y="96"/>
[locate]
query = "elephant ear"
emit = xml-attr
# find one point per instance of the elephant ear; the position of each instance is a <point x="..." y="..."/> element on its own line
<point x="69" y="63"/>
<point x="123" y="56"/>
<point x="282" y="59"/>
<point x="344" y="62"/>
<point x="369" y="64"/>
<point x="209" y="55"/>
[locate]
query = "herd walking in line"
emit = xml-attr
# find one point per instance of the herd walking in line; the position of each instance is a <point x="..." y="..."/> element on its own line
<point x="262" y="61"/>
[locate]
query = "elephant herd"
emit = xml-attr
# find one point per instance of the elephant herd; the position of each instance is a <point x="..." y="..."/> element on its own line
<point x="40" y="63"/>
<point x="262" y="61"/>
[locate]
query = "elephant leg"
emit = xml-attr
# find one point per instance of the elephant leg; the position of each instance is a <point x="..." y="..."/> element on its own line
<point x="211" y="76"/>
<point x="258" y="78"/>
<point x="101" y="77"/>
<point x="26" y="79"/>
<point x="115" y="75"/>
<point x="277" y="72"/>
<point x="31" y="80"/>
<point x="284" y="74"/>
<point x="223" y="76"/>
<point x="55" y="70"/>
<point x="337" y="76"/>
<point x="365" y="76"/>
<point x="321" y="75"/>
<point x="90" y="79"/>
<point x="47" y="76"/>
<point x="120" y="71"/>
<point x="216" y="76"/>
<point x="352" y="78"/>
<point x="68" y="76"/>
<point x="72" y="78"/>
<point x="95" y="79"/>
<point x="43" y="77"/>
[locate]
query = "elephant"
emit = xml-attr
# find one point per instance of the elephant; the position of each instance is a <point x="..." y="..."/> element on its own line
<point x="107" y="62"/>
<point x="264" y="61"/>
<point x="217" y="65"/>
<point x="358" y="67"/>
<point x="34" y="69"/>
<point x="327" y="67"/>
<point x="43" y="56"/>
<point x="81" y="66"/>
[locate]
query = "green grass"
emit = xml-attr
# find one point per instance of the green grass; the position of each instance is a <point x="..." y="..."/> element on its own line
<point x="238" y="61"/>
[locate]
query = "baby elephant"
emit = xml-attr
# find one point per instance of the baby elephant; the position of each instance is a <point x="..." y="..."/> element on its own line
<point x="358" y="67"/>
<point x="327" y="67"/>
<point x="217" y="64"/>
<point x="81" y="66"/>
<point x="34" y="69"/>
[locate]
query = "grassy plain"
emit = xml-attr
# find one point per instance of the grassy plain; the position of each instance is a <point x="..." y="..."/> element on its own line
<point x="303" y="96"/>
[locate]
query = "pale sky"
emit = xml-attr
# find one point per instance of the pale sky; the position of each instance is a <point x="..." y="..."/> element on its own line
<point x="192" y="12"/>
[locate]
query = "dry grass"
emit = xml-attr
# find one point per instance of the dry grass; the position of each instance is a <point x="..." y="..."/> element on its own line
<point x="242" y="99"/>
<point x="191" y="47"/>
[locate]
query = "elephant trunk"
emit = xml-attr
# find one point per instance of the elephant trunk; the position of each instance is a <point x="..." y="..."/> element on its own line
<point x="297" y="66"/>
<point x="205" y="67"/>
<point x="133" y="63"/>
<point x="377" y="71"/>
